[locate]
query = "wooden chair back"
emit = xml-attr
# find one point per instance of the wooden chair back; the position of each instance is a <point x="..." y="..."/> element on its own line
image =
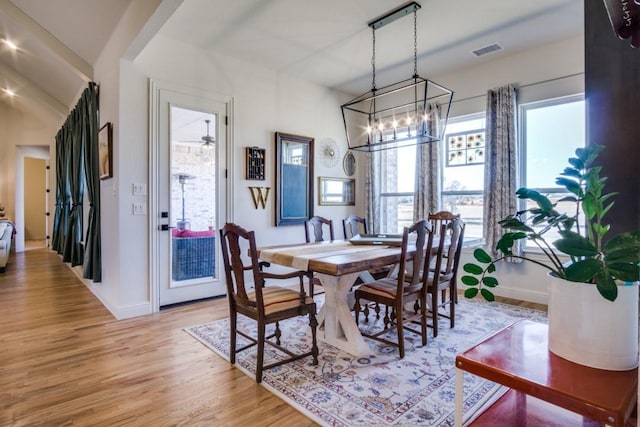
<point x="235" y="242"/>
<point x="353" y="225"/>
<point x="313" y="229"/>
<point x="441" y="217"/>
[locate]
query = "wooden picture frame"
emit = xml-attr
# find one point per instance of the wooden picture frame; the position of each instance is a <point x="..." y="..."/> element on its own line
<point x="336" y="191"/>
<point x="105" y="151"/>
<point x="294" y="179"/>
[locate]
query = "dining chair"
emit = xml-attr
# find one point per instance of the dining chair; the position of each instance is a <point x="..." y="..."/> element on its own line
<point x="442" y="278"/>
<point x="265" y="305"/>
<point x="353" y="225"/>
<point x="314" y="226"/>
<point x="437" y="219"/>
<point x="394" y="293"/>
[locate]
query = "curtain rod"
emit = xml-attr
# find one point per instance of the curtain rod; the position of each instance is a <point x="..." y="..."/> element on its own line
<point x="526" y="85"/>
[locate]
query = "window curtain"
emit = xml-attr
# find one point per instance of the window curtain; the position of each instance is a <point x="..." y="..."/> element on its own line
<point x="372" y="191"/>
<point x="62" y="199"/>
<point x="501" y="160"/>
<point x="73" y="251"/>
<point x="77" y="164"/>
<point x="427" y="185"/>
<point x="92" y="265"/>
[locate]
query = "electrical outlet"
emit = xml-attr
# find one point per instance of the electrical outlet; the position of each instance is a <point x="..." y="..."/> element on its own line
<point x="139" y="208"/>
<point x="139" y="189"/>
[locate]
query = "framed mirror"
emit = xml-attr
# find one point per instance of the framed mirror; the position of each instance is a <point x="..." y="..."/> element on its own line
<point x="336" y="191"/>
<point x="294" y="178"/>
<point x="349" y="164"/>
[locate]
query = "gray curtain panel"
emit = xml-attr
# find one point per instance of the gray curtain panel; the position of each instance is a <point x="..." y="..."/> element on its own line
<point x="62" y="201"/>
<point x="77" y="164"/>
<point x="427" y="186"/>
<point x="92" y="265"/>
<point x="501" y="160"/>
<point x="372" y="191"/>
<point x="73" y="249"/>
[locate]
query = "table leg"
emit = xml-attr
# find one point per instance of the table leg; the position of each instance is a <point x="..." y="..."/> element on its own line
<point x="337" y="326"/>
<point x="459" y="398"/>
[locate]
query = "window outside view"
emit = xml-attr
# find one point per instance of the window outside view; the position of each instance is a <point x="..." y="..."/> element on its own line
<point x="550" y="132"/>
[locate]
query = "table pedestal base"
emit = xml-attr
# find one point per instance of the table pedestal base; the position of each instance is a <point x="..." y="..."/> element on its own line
<point x="337" y="326"/>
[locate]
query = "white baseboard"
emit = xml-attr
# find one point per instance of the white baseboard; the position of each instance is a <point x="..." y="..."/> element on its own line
<point x="119" y="312"/>
<point x="520" y="294"/>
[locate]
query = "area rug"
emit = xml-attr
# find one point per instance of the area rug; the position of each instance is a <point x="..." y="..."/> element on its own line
<point x="379" y="390"/>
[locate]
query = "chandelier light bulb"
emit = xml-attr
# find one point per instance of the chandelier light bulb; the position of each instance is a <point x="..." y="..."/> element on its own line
<point x="11" y="45"/>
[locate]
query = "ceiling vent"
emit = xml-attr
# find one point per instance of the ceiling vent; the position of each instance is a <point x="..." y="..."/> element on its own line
<point x="487" y="49"/>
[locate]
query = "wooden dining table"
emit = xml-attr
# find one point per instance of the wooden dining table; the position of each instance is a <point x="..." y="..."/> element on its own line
<point x="337" y="264"/>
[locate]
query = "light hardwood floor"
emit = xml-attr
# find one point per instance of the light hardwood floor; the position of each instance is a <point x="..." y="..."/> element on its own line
<point x="64" y="360"/>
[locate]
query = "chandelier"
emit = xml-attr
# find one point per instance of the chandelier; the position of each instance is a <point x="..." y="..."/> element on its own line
<point x="400" y="114"/>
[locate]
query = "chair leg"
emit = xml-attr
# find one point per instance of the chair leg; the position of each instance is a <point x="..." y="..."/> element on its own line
<point x="434" y="312"/>
<point x="423" y="319"/>
<point x="313" y="323"/>
<point x="232" y="336"/>
<point x="400" y="328"/>
<point x="356" y="309"/>
<point x="260" y="356"/>
<point x="452" y="306"/>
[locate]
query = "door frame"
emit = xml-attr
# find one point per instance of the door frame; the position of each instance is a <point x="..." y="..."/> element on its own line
<point x="155" y="87"/>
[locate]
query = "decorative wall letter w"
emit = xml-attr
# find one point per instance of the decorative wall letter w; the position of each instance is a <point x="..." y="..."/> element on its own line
<point x="259" y="196"/>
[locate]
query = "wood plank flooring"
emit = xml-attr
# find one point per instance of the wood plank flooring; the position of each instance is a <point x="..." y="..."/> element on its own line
<point x="64" y="360"/>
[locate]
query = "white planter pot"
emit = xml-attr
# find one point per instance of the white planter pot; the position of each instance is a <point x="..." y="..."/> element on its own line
<point x="589" y="330"/>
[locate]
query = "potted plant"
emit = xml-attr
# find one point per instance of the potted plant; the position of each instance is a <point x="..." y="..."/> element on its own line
<point x="581" y="263"/>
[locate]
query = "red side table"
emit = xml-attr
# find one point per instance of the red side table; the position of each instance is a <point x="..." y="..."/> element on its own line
<point x="545" y="388"/>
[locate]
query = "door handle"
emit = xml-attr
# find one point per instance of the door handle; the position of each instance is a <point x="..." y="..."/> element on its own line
<point x="164" y="227"/>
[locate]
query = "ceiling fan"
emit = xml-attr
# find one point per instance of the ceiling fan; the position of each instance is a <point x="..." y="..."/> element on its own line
<point x="208" y="139"/>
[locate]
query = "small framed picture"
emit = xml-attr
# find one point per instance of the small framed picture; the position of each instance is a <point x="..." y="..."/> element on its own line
<point x="105" y="151"/>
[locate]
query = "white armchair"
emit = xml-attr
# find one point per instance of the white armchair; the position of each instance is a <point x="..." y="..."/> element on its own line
<point x="6" y="231"/>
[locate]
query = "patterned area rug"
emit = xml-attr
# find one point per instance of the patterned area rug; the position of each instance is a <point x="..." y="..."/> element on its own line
<point x="344" y="390"/>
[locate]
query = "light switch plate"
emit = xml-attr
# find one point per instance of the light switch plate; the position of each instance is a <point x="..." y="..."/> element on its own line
<point x="139" y="189"/>
<point x="139" y="208"/>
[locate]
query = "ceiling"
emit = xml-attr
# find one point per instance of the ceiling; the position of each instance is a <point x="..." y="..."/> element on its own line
<point x="327" y="42"/>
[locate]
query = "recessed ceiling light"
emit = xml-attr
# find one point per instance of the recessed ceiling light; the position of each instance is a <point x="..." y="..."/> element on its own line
<point x="9" y="92"/>
<point x="10" y="44"/>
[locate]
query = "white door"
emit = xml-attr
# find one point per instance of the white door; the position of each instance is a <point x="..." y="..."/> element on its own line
<point x="191" y="166"/>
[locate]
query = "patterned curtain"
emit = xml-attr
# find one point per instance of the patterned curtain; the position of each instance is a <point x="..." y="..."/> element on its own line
<point x="372" y="191"/>
<point x="427" y="186"/>
<point x="500" y="173"/>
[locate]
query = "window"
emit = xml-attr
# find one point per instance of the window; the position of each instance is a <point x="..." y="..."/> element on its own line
<point x="551" y="131"/>
<point x="463" y="171"/>
<point x="397" y="188"/>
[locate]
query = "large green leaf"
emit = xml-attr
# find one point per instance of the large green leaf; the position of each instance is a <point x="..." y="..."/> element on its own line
<point x="627" y="272"/>
<point x="471" y="293"/>
<point x="575" y="245"/>
<point x="487" y="294"/>
<point x="472" y="268"/>
<point x="607" y="286"/>
<point x="489" y="281"/>
<point x="623" y="248"/>
<point x="583" y="271"/>
<point x="470" y="280"/>
<point x="481" y="255"/>
<point x="571" y="185"/>
<point x="571" y="172"/>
